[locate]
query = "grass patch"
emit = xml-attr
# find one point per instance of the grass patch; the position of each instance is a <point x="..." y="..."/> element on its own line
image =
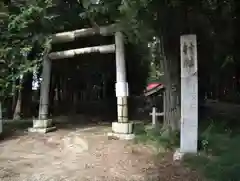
<point x="219" y="158"/>
<point x="219" y="147"/>
<point x="159" y="138"/>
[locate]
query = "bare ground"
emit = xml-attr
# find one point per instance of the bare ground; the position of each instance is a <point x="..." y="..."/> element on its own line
<point x="81" y="154"/>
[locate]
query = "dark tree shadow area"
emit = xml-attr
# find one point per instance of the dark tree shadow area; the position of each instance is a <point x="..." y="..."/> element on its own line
<point x="72" y="122"/>
<point x="14" y="129"/>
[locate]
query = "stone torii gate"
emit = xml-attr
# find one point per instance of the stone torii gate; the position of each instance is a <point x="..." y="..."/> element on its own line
<point x="122" y="128"/>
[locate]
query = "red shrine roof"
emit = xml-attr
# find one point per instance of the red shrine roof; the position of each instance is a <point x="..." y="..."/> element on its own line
<point x="153" y="88"/>
<point x="153" y="85"/>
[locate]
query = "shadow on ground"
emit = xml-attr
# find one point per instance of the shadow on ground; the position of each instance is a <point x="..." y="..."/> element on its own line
<point x="164" y="168"/>
<point x="73" y="122"/>
<point x="15" y="129"/>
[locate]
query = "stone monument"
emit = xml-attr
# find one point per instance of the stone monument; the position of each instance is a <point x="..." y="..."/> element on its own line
<point x="189" y="96"/>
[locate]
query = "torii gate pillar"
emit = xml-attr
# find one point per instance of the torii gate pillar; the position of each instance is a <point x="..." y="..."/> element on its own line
<point x="122" y="129"/>
<point x="43" y="124"/>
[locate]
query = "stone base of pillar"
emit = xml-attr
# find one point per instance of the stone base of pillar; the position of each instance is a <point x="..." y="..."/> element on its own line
<point x="178" y="155"/>
<point x="122" y="136"/>
<point x="42" y="130"/>
<point x="122" y="131"/>
<point x="42" y="126"/>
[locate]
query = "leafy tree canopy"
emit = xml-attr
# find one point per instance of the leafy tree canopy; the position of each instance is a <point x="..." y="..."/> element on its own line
<point x="26" y="26"/>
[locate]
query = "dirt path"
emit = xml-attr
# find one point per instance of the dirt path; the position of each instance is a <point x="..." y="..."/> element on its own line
<point x="81" y="155"/>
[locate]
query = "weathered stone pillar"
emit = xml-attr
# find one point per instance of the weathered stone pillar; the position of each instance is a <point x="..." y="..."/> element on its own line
<point x="123" y="128"/>
<point x="189" y="96"/>
<point x="43" y="124"/>
<point x="44" y="92"/>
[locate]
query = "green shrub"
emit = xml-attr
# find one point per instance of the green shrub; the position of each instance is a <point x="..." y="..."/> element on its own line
<point x="164" y="138"/>
<point x="219" y="158"/>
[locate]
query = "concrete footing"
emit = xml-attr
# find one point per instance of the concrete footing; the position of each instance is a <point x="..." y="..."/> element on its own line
<point x="122" y="131"/>
<point x="179" y="155"/>
<point x="42" y="130"/>
<point x="122" y="128"/>
<point x="42" y="126"/>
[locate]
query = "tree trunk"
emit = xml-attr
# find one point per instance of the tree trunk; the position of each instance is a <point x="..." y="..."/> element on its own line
<point x="171" y="109"/>
<point x="58" y="91"/>
<point x="27" y="95"/>
<point x="14" y="96"/>
<point x="1" y="117"/>
<point x="17" y="112"/>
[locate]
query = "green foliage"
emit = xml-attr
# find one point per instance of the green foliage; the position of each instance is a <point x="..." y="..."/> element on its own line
<point x="219" y="158"/>
<point x="22" y="43"/>
<point x="160" y="138"/>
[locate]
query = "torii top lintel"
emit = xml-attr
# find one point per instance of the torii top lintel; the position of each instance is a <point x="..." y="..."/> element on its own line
<point x="73" y="35"/>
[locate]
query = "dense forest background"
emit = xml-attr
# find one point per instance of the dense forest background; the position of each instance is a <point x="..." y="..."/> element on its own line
<point x="152" y="31"/>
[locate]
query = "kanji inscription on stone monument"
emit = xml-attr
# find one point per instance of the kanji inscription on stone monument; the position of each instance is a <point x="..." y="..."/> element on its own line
<point x="189" y="94"/>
